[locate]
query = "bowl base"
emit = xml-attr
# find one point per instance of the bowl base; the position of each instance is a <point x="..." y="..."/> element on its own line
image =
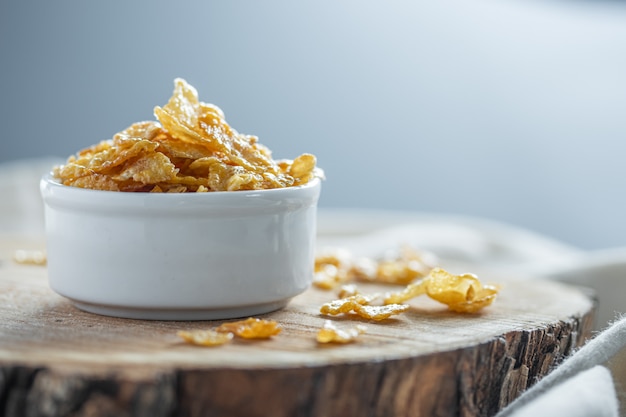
<point x="191" y="314"/>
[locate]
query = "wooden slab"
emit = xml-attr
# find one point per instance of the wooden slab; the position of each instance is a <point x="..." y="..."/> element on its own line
<point x="58" y="360"/>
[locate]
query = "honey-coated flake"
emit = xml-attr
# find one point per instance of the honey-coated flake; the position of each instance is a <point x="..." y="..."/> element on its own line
<point x="329" y="333"/>
<point x="251" y="328"/>
<point x="303" y="168"/>
<point x="331" y="268"/>
<point x="328" y="276"/>
<point x="461" y="293"/>
<point x="345" y="305"/>
<point x="94" y="181"/>
<point x="205" y="337"/>
<point x="412" y="290"/>
<point x="348" y="290"/>
<point x="360" y="305"/>
<point x="191" y="148"/>
<point x="379" y="313"/>
<point x="148" y="169"/>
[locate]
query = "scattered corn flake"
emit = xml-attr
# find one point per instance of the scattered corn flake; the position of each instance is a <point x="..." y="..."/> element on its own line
<point x="345" y="305"/>
<point x="474" y="305"/>
<point x="30" y="257"/>
<point x="449" y="289"/>
<point x="327" y="277"/>
<point x="360" y="305"/>
<point x="331" y="268"/>
<point x="397" y="272"/>
<point x="329" y="333"/>
<point x="348" y="290"/>
<point x="251" y="328"/>
<point x="412" y="290"/>
<point x="364" y="269"/>
<point x="379" y="313"/>
<point x="404" y="267"/>
<point x="333" y="256"/>
<point x="335" y="268"/>
<point x="205" y="337"/>
<point x="461" y="293"/>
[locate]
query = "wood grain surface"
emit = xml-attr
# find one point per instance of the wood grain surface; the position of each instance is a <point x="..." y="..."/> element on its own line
<point x="56" y="360"/>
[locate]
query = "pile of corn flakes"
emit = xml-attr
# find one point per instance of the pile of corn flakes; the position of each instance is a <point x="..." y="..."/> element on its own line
<point x="191" y="148"/>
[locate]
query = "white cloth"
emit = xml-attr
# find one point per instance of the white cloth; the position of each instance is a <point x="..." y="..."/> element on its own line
<point x="589" y="393"/>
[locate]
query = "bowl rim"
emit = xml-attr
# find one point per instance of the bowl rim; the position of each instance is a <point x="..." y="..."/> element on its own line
<point x="50" y="180"/>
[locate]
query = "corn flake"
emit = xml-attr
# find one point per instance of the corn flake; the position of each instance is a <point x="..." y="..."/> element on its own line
<point x="408" y="265"/>
<point x="360" y="305"/>
<point x="345" y="305"/>
<point x="348" y="290"/>
<point x="412" y="290"/>
<point x="379" y="313"/>
<point x="329" y="333"/>
<point x="205" y="337"/>
<point x="461" y="293"/>
<point x="251" y="328"/>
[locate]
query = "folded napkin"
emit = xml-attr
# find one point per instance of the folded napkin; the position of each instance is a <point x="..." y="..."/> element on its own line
<point x="589" y="393"/>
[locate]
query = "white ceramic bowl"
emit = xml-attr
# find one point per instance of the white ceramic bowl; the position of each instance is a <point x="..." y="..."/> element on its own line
<point x="186" y="256"/>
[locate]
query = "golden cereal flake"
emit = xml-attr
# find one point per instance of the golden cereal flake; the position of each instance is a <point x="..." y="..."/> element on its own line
<point x="332" y="267"/>
<point x="345" y="305"/>
<point x="330" y="333"/>
<point x="148" y="169"/>
<point x="302" y="168"/>
<point x="477" y="303"/>
<point x="360" y="305"/>
<point x="205" y="337"/>
<point x="380" y="312"/>
<point x="461" y="293"/>
<point x="412" y="290"/>
<point x="405" y="267"/>
<point x="328" y="276"/>
<point x="348" y="290"/>
<point x="251" y="328"/>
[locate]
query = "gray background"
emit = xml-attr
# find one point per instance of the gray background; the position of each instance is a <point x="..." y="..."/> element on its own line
<point x="509" y="110"/>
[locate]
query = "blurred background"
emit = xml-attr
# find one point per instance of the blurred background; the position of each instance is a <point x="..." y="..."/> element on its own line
<point x="510" y="110"/>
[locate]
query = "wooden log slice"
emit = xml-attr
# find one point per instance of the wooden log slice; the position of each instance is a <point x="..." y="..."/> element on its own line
<point x="56" y="360"/>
